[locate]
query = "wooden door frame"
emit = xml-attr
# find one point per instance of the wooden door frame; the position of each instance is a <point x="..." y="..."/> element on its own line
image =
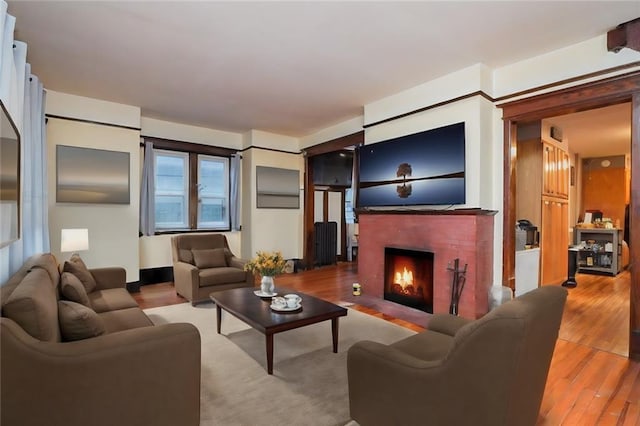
<point x="354" y="139"/>
<point x="606" y="92"/>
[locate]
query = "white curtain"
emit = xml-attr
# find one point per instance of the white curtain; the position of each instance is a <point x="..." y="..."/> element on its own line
<point x="24" y="97"/>
<point x="234" y="196"/>
<point x="147" y="193"/>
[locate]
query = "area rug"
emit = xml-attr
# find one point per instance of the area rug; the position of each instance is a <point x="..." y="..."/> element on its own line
<point x="309" y="381"/>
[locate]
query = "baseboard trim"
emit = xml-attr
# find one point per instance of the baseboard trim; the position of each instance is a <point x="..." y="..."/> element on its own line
<point x="156" y="275"/>
<point x="133" y="287"/>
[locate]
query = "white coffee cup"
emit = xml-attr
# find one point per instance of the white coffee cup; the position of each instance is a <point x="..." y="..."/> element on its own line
<point x="279" y="302"/>
<point x="293" y="300"/>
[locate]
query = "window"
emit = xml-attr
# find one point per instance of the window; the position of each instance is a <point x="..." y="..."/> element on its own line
<point x="172" y="189"/>
<point x="191" y="191"/>
<point x="213" y="192"/>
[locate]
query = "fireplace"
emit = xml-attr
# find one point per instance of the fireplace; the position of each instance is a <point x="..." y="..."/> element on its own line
<point x="408" y="278"/>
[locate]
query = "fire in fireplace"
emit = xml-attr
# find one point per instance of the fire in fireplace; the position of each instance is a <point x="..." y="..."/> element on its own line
<point x="408" y="277"/>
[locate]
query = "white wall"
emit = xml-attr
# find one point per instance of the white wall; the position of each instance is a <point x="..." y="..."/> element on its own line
<point x="339" y="130"/>
<point x="270" y="229"/>
<point x="459" y="83"/>
<point x="575" y="60"/>
<point x="113" y="228"/>
<point x="182" y="132"/>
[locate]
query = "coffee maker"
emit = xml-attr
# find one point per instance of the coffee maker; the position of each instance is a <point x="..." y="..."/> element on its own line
<point x="527" y="235"/>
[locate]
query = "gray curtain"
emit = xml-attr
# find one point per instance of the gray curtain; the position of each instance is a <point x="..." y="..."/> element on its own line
<point x="23" y="96"/>
<point x="234" y="196"/>
<point x="147" y="193"/>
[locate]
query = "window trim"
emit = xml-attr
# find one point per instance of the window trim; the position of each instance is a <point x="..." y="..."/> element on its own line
<point x="193" y="150"/>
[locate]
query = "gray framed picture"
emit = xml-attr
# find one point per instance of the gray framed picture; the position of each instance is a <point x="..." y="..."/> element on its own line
<point x="87" y="175"/>
<point x="277" y="188"/>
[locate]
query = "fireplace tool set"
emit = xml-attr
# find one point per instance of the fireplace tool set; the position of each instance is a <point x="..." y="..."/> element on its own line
<point x="457" y="284"/>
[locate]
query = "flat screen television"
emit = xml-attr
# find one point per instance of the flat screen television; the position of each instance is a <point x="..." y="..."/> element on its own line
<point x="425" y="168"/>
<point x="333" y="168"/>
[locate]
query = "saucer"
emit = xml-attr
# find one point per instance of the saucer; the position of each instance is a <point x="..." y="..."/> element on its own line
<point x="285" y="308"/>
<point x="260" y="293"/>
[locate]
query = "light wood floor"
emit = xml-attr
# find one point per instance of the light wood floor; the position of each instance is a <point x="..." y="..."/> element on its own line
<point x="591" y="381"/>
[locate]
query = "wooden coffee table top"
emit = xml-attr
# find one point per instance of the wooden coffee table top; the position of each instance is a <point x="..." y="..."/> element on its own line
<point x="256" y="311"/>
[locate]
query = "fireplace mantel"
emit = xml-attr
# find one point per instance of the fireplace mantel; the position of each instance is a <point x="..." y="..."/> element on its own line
<point x="431" y="212"/>
<point x="465" y="234"/>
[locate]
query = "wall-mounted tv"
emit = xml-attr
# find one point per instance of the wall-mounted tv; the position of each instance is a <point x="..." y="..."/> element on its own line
<point x="425" y="168"/>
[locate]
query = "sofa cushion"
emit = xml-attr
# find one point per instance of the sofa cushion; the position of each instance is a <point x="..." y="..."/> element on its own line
<point x="46" y="261"/>
<point x="124" y="319"/>
<point x="78" y="322"/>
<point x="186" y="256"/>
<point x="34" y="306"/>
<point x="210" y="258"/>
<point x="218" y="276"/>
<point x="428" y="345"/>
<point x="72" y="289"/>
<point x="111" y="299"/>
<point x="76" y="266"/>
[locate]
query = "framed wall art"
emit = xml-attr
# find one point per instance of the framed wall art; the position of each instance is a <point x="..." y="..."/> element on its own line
<point x="87" y="175"/>
<point x="277" y="188"/>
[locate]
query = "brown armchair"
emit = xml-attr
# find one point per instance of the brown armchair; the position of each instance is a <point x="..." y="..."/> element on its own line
<point x="491" y="371"/>
<point x="203" y="263"/>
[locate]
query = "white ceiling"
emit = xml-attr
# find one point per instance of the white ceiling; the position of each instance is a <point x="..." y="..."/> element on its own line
<point x="290" y="68"/>
<point x="599" y="132"/>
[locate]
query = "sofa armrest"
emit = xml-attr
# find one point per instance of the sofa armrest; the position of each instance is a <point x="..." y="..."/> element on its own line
<point x="186" y="279"/>
<point x="236" y="262"/>
<point x="147" y="375"/>
<point x="112" y="277"/>
<point x="447" y="324"/>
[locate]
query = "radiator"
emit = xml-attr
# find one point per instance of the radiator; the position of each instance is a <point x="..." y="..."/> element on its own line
<point x="326" y="237"/>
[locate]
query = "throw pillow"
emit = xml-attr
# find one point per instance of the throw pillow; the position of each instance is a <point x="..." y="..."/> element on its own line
<point x="72" y="289"/>
<point x="186" y="256"/>
<point x="78" y="322"/>
<point x="210" y="258"/>
<point x="76" y="266"/>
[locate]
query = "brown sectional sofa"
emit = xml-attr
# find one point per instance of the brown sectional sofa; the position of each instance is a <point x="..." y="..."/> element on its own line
<point x="130" y="373"/>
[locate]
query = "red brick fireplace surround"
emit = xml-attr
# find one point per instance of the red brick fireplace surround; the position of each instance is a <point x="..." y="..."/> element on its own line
<point x="466" y="234"/>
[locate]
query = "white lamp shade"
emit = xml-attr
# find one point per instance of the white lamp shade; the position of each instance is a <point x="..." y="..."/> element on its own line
<point x="74" y="240"/>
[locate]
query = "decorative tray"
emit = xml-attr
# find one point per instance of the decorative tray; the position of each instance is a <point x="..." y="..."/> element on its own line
<point x="286" y="308"/>
<point x="260" y="293"/>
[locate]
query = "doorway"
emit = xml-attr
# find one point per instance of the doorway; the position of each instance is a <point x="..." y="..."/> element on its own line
<point x="598" y="141"/>
<point x="610" y="91"/>
<point x="326" y="196"/>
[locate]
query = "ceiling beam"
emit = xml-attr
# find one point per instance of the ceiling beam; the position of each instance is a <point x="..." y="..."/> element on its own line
<point x="624" y="35"/>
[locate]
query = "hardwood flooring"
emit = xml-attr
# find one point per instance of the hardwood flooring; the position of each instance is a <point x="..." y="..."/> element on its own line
<point x="591" y="381"/>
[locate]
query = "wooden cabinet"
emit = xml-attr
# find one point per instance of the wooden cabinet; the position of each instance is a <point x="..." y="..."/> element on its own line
<point x="554" y="241"/>
<point x="542" y="181"/>
<point x="555" y="171"/>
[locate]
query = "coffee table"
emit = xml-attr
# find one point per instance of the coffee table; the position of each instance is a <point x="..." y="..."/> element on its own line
<point x="255" y="311"/>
